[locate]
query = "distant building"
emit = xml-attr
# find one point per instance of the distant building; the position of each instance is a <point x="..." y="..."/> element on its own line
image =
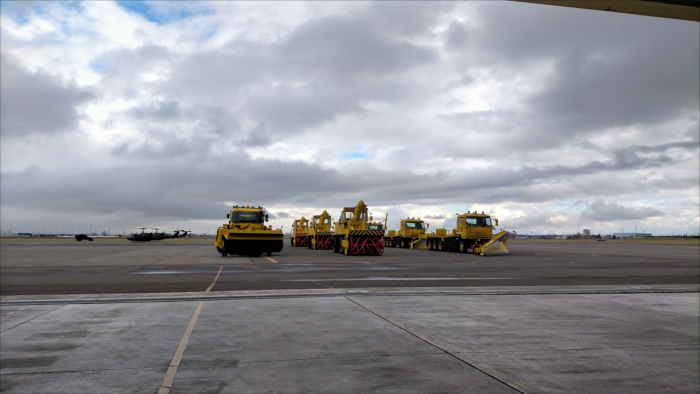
<point x="24" y="234"/>
<point x="632" y="235"/>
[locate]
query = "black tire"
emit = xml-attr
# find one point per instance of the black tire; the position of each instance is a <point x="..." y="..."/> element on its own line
<point x="403" y="243"/>
<point x="439" y="245"/>
<point x="269" y="253"/>
<point x="461" y="246"/>
<point x="224" y="254"/>
<point x="336" y="245"/>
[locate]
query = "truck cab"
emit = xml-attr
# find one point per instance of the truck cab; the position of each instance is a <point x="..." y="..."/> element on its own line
<point x="246" y="233"/>
<point x="475" y="226"/>
<point x="410" y="230"/>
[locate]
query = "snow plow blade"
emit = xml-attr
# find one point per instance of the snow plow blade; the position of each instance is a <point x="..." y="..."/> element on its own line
<point x="495" y="246"/>
<point x="419" y="244"/>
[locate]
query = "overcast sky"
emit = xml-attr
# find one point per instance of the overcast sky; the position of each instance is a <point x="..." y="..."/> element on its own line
<point x="163" y="114"/>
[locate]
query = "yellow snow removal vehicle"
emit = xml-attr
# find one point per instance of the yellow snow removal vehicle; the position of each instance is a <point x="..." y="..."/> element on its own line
<point x="320" y="236"/>
<point x="246" y="233"/>
<point x="410" y="231"/>
<point x="352" y="235"/>
<point x="300" y="233"/>
<point x="474" y="231"/>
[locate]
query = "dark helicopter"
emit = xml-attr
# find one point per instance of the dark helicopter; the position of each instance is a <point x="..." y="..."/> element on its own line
<point x="155" y="235"/>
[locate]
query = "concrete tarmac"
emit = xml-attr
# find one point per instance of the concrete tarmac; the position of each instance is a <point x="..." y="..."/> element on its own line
<point x="331" y="341"/>
<point x="117" y="266"/>
<point x="175" y="317"/>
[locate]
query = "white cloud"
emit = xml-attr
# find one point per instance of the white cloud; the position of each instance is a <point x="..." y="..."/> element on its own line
<point x="421" y="110"/>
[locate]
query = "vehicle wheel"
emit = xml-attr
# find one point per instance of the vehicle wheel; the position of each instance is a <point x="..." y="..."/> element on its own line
<point x="336" y="246"/>
<point x="269" y="253"/>
<point x="439" y="245"/>
<point x="429" y="244"/>
<point x="475" y="248"/>
<point x="461" y="247"/>
<point x="224" y="254"/>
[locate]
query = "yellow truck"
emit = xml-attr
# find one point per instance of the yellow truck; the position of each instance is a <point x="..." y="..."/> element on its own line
<point x="246" y="233"/>
<point x="473" y="231"/>
<point x="352" y="235"/>
<point x="300" y="233"/>
<point x="319" y="235"/>
<point x="410" y="230"/>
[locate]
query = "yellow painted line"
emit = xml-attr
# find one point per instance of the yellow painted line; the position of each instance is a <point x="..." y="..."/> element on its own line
<point x="175" y="363"/>
<point x="273" y="261"/>
<point x="214" y="282"/>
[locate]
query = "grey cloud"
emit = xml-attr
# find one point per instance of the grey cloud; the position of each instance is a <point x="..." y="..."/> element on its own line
<point x="603" y="75"/>
<point x="124" y="63"/>
<point x="406" y="18"/>
<point x="601" y="211"/>
<point x="160" y="111"/>
<point x="162" y="120"/>
<point x="36" y="103"/>
<point x="321" y="70"/>
<point x="280" y="215"/>
<point x="435" y="216"/>
<point x="543" y="220"/>
<point x="292" y="110"/>
<point x="347" y="48"/>
<point x="457" y="35"/>
<point x="258" y="136"/>
<point x="161" y="185"/>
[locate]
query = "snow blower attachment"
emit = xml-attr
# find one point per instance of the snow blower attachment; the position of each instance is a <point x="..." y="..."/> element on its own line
<point x="300" y="233"/>
<point x="353" y="235"/>
<point x="320" y="236"/>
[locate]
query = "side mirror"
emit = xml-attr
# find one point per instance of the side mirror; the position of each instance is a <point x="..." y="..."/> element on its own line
<point x="228" y="215"/>
<point x="266" y="217"/>
<point x="496" y="220"/>
<point x="427" y="225"/>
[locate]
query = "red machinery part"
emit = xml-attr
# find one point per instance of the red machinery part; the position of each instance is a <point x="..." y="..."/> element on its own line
<point x="300" y="242"/>
<point x="324" y="242"/>
<point x="366" y="244"/>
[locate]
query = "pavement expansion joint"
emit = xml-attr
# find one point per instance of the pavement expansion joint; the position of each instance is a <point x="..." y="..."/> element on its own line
<point x="338" y="293"/>
<point x="81" y="370"/>
<point x="35" y="317"/>
<point x="435" y="345"/>
<point x="282" y="360"/>
<point x="579" y="349"/>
